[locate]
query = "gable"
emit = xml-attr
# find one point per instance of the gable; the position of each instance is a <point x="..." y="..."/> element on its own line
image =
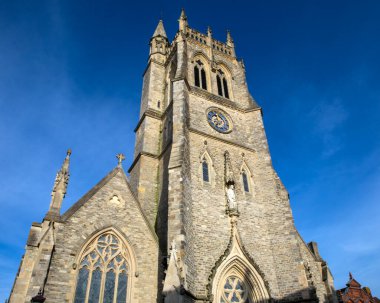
<point x="110" y="197"/>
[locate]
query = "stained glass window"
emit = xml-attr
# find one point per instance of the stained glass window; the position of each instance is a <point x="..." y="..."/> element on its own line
<point x="95" y="286"/>
<point x="109" y="287"/>
<point x="80" y="294"/>
<point x="234" y="291"/>
<point x="104" y="270"/>
<point x="205" y="171"/>
<point x="122" y="288"/>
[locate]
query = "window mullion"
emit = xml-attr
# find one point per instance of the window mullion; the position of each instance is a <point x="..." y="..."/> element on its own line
<point x="200" y="77"/>
<point x="221" y="81"/>
<point x="102" y="282"/>
<point x="116" y="285"/>
<point x="91" y="269"/>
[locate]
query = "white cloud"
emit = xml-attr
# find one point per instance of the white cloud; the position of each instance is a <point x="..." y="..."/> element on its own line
<point x="329" y="116"/>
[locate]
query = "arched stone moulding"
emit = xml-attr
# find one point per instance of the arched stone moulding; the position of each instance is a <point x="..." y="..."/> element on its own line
<point x="238" y="265"/>
<point x="127" y="252"/>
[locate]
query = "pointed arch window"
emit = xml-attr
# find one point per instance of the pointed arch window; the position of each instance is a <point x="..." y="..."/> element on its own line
<point x="200" y="75"/>
<point x="245" y="181"/>
<point x="222" y="84"/>
<point x="205" y="171"/>
<point x="103" y="271"/>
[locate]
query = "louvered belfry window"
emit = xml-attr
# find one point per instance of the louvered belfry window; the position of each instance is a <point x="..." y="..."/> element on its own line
<point x="200" y="75"/>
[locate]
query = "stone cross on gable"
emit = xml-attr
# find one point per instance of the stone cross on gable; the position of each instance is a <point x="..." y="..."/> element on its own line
<point x="120" y="158"/>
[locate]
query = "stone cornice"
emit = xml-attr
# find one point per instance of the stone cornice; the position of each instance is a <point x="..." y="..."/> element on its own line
<point x="138" y="158"/>
<point x="152" y="61"/>
<point x="153" y="114"/>
<point x="153" y="156"/>
<point x="148" y="113"/>
<point x="195" y="131"/>
<point x="221" y="101"/>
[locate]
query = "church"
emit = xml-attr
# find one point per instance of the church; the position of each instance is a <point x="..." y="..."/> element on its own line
<point x="201" y="216"/>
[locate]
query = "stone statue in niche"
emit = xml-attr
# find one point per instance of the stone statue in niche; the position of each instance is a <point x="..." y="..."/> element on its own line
<point x="232" y="207"/>
<point x="231" y="197"/>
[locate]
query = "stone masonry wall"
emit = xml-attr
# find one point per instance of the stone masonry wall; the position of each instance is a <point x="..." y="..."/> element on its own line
<point x="265" y="224"/>
<point x="96" y="214"/>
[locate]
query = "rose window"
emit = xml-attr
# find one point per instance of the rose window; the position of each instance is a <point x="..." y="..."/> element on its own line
<point x="234" y="291"/>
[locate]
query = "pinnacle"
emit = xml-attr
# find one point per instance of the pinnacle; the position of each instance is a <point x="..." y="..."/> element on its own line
<point x="229" y="38"/>
<point x="160" y="30"/>
<point x="183" y="14"/>
<point x="66" y="162"/>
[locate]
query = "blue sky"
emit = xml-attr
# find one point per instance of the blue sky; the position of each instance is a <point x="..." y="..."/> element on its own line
<point x="71" y="76"/>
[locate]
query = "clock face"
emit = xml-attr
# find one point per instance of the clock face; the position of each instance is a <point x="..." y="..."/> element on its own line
<point x="219" y="121"/>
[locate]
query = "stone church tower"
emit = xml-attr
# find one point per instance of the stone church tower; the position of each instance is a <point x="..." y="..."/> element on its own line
<point x="203" y="216"/>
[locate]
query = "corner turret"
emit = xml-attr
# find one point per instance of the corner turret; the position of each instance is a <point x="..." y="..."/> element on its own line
<point x="159" y="43"/>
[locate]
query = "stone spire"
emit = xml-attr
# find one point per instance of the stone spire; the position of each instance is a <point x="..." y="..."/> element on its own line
<point x="183" y="21"/>
<point x="160" y="30"/>
<point x="59" y="189"/>
<point x="159" y="42"/>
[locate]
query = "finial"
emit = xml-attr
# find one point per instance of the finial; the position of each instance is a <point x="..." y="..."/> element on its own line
<point x="350" y="275"/>
<point x="68" y="153"/>
<point x="120" y="158"/>
<point x="209" y="30"/>
<point x="183" y="14"/>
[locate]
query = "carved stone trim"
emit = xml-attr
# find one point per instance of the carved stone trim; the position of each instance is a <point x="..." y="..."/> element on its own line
<point x="221" y="100"/>
<point x="235" y="253"/>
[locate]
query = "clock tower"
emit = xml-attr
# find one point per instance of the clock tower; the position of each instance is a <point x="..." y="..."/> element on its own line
<point x="203" y="216"/>
<point x="204" y="177"/>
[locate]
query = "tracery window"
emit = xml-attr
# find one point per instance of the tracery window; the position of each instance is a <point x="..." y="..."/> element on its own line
<point x="221" y="82"/>
<point x="103" y="271"/>
<point x="234" y="291"/>
<point x="200" y="75"/>
<point x="205" y="171"/>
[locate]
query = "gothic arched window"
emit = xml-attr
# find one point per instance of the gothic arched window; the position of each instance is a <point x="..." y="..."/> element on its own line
<point x="196" y="76"/>
<point x="200" y="75"/>
<point x="245" y="181"/>
<point x="205" y="172"/>
<point x="234" y="291"/>
<point x="221" y="82"/>
<point x="103" y="271"/>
